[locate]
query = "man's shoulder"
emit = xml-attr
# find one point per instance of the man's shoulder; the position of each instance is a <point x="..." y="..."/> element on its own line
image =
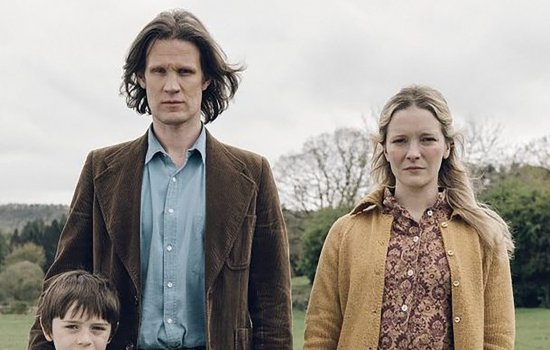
<point x="109" y="151"/>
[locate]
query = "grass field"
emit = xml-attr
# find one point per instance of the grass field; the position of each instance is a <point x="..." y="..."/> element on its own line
<point x="533" y="330"/>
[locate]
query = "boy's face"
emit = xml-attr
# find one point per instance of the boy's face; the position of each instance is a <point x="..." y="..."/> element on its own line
<point x="79" y="332"/>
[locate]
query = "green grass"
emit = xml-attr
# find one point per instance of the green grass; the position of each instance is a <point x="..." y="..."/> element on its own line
<point x="533" y="327"/>
<point x="15" y="331"/>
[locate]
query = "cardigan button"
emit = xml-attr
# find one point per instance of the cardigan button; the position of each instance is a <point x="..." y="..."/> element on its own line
<point x="450" y="252"/>
<point x="457" y="319"/>
<point x="456" y="283"/>
<point x="444" y="224"/>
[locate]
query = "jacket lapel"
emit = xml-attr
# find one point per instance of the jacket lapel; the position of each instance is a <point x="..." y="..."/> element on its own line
<point x="229" y="191"/>
<point x="118" y="190"/>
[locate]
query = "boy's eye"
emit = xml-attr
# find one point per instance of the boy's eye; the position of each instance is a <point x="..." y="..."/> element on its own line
<point x="99" y="329"/>
<point x="71" y="327"/>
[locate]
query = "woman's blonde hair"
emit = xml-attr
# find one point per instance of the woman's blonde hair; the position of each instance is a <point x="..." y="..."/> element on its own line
<point x="453" y="175"/>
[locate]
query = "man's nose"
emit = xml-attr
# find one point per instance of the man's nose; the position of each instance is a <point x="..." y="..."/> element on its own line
<point x="171" y="84"/>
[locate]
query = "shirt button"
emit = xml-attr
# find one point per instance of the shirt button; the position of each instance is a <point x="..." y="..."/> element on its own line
<point x="170" y="284"/>
<point x="169" y="320"/>
<point x="444" y="224"/>
<point x="450" y="252"/>
<point x="456" y="283"/>
<point x="416" y="238"/>
<point x="457" y="319"/>
<point x="171" y="211"/>
<point x="404" y="307"/>
<point x="410" y="273"/>
<point x="169" y="248"/>
<point x="430" y="213"/>
<point x="173" y="179"/>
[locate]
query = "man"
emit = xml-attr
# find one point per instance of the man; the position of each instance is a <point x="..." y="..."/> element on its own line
<point x="189" y="230"/>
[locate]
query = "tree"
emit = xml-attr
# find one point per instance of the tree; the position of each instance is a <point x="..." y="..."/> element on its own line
<point x="4" y="247"/>
<point x="330" y="171"/>
<point x="27" y="252"/>
<point x="21" y="281"/>
<point x="522" y="197"/>
<point x="316" y="230"/>
<point x="483" y="144"/>
<point x="536" y="153"/>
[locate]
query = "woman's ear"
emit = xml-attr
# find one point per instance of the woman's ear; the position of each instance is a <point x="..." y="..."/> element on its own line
<point x="447" y="152"/>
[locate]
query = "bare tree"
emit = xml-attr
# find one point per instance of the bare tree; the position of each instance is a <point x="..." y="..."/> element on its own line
<point x="483" y="144"/>
<point x="330" y="171"/>
<point x="536" y="152"/>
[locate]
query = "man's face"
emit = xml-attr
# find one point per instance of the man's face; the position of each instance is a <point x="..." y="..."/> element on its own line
<point x="174" y="82"/>
<point x="79" y="332"/>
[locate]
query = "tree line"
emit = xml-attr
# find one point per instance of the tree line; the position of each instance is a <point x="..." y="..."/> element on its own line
<point x="24" y="257"/>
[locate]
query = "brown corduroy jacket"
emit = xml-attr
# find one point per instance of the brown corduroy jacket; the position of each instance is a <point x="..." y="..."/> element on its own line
<point x="247" y="274"/>
<point x="346" y="299"/>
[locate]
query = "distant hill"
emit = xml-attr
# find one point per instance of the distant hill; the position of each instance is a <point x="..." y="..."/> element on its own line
<point x="14" y="216"/>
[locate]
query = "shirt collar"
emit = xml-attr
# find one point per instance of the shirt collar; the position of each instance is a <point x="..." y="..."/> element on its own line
<point x="154" y="146"/>
<point x="391" y="204"/>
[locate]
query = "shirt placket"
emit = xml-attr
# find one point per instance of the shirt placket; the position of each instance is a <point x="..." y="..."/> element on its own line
<point x="169" y="260"/>
<point x="412" y="240"/>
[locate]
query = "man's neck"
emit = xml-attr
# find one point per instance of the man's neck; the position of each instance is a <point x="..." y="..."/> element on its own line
<point x="177" y="139"/>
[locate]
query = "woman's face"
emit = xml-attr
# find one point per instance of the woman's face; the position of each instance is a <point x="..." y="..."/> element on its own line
<point x="415" y="147"/>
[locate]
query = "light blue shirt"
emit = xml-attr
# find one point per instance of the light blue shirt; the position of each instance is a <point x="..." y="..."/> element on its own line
<point x="172" y="248"/>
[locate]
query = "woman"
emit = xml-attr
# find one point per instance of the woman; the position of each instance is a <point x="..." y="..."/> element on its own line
<point x="419" y="263"/>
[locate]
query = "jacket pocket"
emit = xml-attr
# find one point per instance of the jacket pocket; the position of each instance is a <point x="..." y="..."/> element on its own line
<point x="243" y="339"/>
<point x="240" y="254"/>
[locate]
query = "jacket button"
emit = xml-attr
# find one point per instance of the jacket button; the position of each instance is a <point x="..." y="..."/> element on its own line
<point x="456" y="283"/>
<point x="444" y="224"/>
<point x="457" y="319"/>
<point x="450" y="252"/>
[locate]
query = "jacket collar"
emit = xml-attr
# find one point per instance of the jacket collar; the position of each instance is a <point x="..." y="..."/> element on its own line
<point x="118" y="191"/>
<point x="229" y="191"/>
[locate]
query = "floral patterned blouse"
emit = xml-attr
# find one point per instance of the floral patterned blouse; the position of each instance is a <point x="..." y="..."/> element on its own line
<point x="416" y="310"/>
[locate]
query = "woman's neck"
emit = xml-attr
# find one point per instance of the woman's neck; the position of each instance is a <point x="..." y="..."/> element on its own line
<point x="416" y="201"/>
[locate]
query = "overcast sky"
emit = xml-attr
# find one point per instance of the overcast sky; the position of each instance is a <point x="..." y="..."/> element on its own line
<point x="313" y="66"/>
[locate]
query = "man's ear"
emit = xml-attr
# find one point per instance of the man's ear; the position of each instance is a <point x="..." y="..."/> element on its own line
<point x="141" y="80"/>
<point x="205" y="84"/>
<point x="46" y="335"/>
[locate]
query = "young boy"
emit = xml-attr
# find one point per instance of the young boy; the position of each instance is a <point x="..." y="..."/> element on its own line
<point x="79" y="310"/>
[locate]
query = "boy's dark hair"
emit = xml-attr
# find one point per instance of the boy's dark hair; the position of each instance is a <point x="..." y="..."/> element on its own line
<point x="91" y="295"/>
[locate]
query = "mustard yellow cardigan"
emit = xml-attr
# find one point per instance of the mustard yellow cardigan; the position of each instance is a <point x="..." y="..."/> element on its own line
<point x="346" y="299"/>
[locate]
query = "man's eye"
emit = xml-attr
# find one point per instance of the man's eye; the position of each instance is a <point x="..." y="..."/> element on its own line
<point x="185" y="71"/>
<point x="158" y="70"/>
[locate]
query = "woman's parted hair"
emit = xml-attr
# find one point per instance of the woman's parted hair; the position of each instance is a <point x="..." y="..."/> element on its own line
<point x="453" y="175"/>
<point x="88" y="294"/>
<point x="182" y="25"/>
